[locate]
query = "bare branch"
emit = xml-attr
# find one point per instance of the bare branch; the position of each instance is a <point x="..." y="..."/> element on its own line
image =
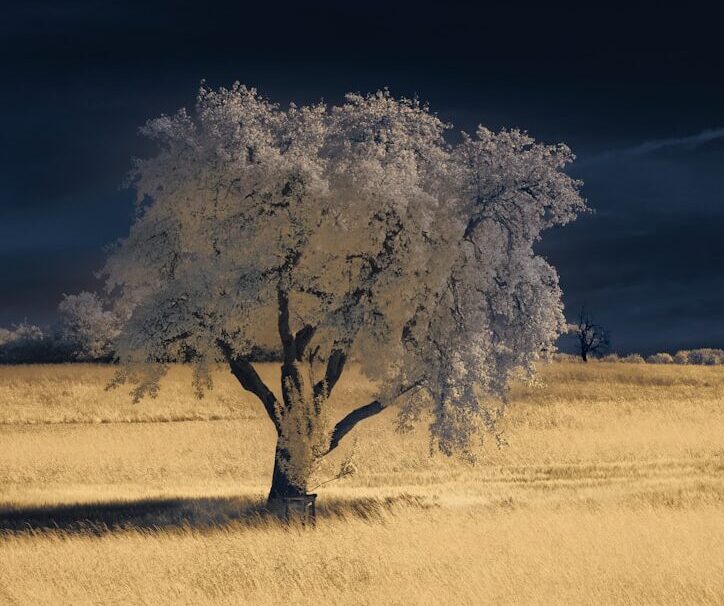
<point x="348" y="423"/>
<point x="250" y="380"/>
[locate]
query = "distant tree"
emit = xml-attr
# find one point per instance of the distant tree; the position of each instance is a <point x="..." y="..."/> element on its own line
<point x="592" y="338"/>
<point x="85" y="331"/>
<point x="334" y="234"/>
<point x="24" y="344"/>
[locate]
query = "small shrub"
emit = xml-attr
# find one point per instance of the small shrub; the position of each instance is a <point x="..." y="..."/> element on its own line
<point x="660" y="358"/>
<point x="706" y="357"/>
<point x="612" y="357"/>
<point x="633" y="358"/>
<point x="681" y="357"/>
<point x="700" y="357"/>
<point x="565" y="357"/>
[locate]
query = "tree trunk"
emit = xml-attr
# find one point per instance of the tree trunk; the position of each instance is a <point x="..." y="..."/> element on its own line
<point x="281" y="486"/>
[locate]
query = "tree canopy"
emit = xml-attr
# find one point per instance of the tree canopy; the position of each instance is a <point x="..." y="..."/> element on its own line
<point x="338" y="233"/>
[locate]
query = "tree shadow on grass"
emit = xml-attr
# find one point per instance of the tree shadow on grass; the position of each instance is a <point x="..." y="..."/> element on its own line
<point x="152" y="515"/>
<point x="141" y="514"/>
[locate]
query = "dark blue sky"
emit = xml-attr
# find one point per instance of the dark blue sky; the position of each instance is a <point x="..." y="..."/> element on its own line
<point x="638" y="94"/>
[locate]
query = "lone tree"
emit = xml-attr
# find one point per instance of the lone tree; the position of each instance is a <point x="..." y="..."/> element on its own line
<point x="338" y="234"/>
<point x="592" y="338"/>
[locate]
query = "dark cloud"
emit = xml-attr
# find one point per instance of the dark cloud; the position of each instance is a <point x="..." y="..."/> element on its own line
<point x="650" y="260"/>
<point x="637" y="95"/>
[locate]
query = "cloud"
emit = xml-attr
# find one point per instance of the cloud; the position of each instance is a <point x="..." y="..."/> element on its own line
<point x="647" y="147"/>
<point x="691" y="141"/>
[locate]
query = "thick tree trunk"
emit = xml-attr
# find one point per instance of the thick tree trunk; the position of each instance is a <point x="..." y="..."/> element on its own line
<point x="281" y="486"/>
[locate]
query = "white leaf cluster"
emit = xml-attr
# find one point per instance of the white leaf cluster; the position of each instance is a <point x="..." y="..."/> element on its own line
<point x="403" y="252"/>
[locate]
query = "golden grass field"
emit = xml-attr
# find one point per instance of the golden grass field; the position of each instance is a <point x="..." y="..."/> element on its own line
<point x="611" y="491"/>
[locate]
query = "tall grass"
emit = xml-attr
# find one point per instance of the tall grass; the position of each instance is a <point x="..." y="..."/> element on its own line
<point x="611" y="491"/>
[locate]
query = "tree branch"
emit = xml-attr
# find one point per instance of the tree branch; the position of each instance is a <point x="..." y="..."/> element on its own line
<point x="250" y="380"/>
<point x="335" y="367"/>
<point x="302" y="338"/>
<point x="348" y="423"/>
<point x="289" y="348"/>
<point x="285" y="333"/>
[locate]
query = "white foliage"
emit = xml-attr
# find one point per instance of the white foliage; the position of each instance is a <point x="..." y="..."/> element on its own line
<point x="85" y="328"/>
<point x="393" y="247"/>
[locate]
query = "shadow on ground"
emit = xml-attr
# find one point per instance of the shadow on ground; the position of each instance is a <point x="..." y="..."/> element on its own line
<point x="183" y="513"/>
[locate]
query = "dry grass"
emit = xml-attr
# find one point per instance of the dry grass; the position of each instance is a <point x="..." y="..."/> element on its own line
<point x="611" y="491"/>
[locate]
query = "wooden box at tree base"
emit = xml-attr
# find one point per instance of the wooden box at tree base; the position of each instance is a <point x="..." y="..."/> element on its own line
<point x="300" y="508"/>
